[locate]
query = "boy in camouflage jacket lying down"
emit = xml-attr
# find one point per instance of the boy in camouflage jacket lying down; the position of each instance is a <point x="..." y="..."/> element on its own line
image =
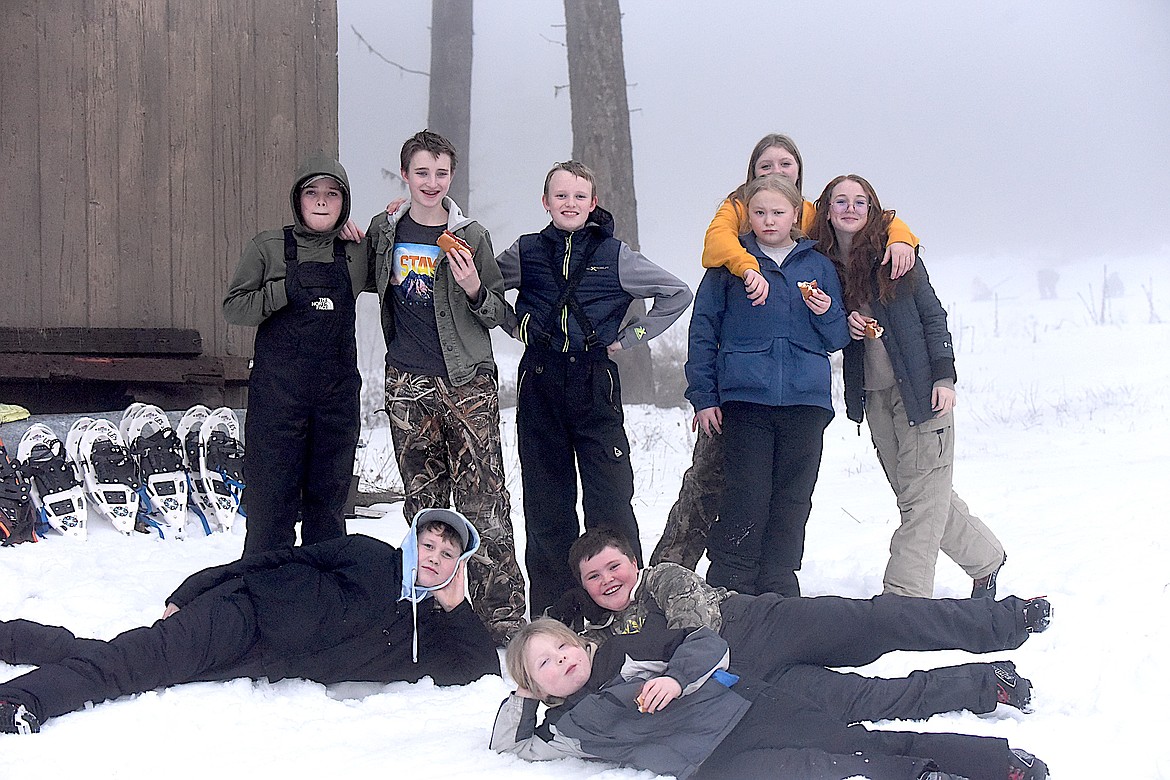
<point x="790" y="641"/>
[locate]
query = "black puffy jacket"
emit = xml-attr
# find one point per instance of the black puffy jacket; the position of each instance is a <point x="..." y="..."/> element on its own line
<point x="918" y="342"/>
<point x="331" y="612"/>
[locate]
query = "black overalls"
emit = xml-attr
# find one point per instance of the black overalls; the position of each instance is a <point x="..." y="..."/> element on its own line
<point x="303" y="418"/>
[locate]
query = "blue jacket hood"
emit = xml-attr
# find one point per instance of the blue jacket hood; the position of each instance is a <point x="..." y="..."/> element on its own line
<point x="410" y="590"/>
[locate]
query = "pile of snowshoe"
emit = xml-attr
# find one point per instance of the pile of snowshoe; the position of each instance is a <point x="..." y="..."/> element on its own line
<point x="142" y="475"/>
<point x="16" y="520"/>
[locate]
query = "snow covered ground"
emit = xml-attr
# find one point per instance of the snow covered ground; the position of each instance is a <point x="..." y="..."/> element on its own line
<point x="1062" y="450"/>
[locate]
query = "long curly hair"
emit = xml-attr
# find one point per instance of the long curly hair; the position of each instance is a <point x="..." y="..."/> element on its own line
<point x="865" y="251"/>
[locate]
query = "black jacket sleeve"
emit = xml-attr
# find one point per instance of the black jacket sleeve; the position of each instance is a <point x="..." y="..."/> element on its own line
<point x="454" y="646"/>
<point x="324" y="556"/>
<point x="202" y="581"/>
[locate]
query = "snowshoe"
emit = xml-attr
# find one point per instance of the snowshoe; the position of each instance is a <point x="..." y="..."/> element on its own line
<point x="187" y="432"/>
<point x="128" y="416"/>
<point x="221" y="461"/>
<point x="17" y="519"/>
<point x="57" y="495"/>
<point x="109" y="474"/>
<point x="155" y="448"/>
<point x="73" y="443"/>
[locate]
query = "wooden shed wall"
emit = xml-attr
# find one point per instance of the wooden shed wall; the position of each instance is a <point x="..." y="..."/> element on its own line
<point x="142" y="142"/>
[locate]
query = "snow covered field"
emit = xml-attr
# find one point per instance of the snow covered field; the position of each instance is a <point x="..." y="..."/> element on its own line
<point x="1062" y="450"/>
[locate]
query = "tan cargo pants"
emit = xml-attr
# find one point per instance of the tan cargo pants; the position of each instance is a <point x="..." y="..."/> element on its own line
<point x="919" y="462"/>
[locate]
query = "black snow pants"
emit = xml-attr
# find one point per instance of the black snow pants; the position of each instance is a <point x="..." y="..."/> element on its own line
<point x="303" y="419"/>
<point x="569" y="417"/>
<point x="788" y="737"/>
<point x="772" y="458"/>
<point x="212" y="638"/>
<point x="789" y="642"/>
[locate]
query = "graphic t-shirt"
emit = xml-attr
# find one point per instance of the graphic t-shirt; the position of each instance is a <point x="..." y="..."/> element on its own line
<point x="415" y="348"/>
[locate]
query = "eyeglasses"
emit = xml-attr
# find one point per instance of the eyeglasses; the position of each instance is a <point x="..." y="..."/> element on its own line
<point x="841" y="205"/>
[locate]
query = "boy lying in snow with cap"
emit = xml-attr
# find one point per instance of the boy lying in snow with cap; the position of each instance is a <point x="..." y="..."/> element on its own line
<point x="348" y="609"/>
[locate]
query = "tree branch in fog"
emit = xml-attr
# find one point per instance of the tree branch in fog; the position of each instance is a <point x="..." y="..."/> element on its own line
<point x="382" y="57"/>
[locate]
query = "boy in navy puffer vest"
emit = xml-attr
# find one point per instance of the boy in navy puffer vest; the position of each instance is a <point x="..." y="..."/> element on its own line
<point x="575" y="283"/>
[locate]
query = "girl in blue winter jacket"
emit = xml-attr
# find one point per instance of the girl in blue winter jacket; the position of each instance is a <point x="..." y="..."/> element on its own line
<point x="760" y="376"/>
<point x="900" y="376"/>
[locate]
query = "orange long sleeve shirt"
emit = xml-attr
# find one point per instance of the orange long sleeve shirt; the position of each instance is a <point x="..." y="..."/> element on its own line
<point x="721" y="245"/>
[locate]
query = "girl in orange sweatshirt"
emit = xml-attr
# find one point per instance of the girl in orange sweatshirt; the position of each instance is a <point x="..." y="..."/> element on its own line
<point x="685" y="537"/>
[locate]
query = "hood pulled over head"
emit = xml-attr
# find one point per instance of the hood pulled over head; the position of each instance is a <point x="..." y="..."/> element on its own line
<point x="310" y="170"/>
<point x="411" y="591"/>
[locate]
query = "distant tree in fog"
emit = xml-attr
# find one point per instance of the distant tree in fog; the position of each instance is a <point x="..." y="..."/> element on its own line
<point x="449" y="110"/>
<point x="601" y="140"/>
<point x="449" y="107"/>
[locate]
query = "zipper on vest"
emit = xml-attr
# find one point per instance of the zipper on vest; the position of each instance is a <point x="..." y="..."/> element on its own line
<point x="565" y="273"/>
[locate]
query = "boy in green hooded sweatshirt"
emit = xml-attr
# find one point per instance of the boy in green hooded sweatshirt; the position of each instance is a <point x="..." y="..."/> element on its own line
<point x="297" y="286"/>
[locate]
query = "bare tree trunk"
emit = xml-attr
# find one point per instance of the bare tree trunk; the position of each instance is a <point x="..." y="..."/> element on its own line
<point x="601" y="140"/>
<point x="449" y="112"/>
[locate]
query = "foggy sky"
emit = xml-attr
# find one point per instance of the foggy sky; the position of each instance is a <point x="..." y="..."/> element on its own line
<point x="1033" y="128"/>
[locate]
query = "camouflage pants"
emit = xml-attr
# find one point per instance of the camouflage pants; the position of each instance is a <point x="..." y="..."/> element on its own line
<point x="685" y="537"/>
<point x="447" y="443"/>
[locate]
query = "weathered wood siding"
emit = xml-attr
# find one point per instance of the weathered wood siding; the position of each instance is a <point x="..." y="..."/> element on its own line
<point x="142" y="143"/>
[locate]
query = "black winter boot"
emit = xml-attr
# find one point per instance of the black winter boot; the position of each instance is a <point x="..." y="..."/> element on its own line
<point x="1037" y="615"/>
<point x="1025" y="766"/>
<point x="15" y="719"/>
<point x="984" y="587"/>
<point x="1010" y="688"/>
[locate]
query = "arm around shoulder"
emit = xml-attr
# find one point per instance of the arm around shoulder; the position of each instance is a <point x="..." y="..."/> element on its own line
<point x="900" y="233"/>
<point x="721" y="247"/>
<point x="685" y="597"/>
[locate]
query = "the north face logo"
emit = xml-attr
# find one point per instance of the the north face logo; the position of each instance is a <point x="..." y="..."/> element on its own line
<point x="323" y="304"/>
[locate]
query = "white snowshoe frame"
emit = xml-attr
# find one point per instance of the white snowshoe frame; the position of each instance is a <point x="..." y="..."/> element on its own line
<point x="220" y="460"/>
<point x="115" y="496"/>
<point x="151" y="439"/>
<point x="128" y="415"/>
<point x="57" y="495"/>
<point x="188" y="433"/>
